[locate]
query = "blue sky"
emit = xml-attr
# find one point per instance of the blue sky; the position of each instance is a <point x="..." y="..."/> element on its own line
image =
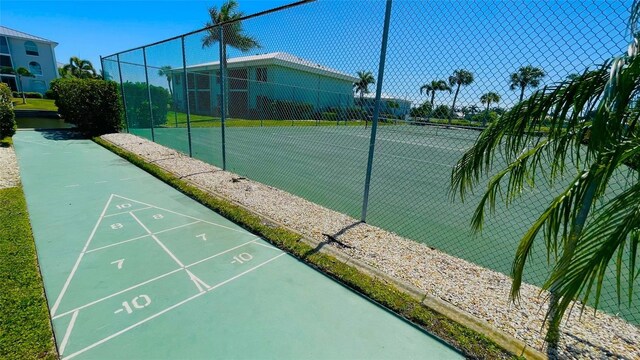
<point x="428" y="39"/>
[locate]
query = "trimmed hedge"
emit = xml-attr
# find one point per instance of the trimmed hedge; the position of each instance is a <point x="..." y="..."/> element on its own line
<point x="7" y="121"/>
<point x="92" y="105"/>
<point x="5" y="94"/>
<point x="137" y="98"/>
<point x="28" y="95"/>
<point x="290" y="110"/>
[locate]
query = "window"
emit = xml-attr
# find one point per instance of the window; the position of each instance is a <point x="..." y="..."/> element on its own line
<point x="5" y="60"/>
<point x="35" y="68"/>
<point x="9" y="80"/>
<point x="237" y="79"/>
<point x="261" y="74"/>
<point x="4" y="46"/>
<point x="31" y="48"/>
<point x="202" y="81"/>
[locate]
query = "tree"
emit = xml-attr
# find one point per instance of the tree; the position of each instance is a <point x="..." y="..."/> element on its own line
<point x="488" y="99"/>
<point x="19" y="73"/>
<point x="78" y="68"/>
<point x="167" y="72"/>
<point x="233" y="33"/>
<point x="526" y="76"/>
<point x="459" y="78"/>
<point x="585" y="230"/>
<point x="365" y="78"/>
<point x="435" y="85"/>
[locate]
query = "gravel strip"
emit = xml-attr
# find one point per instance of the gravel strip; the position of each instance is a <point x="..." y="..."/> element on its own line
<point x="476" y="290"/>
<point x="9" y="172"/>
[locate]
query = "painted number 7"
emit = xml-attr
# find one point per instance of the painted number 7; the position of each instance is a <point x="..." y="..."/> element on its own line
<point x="202" y="236"/>
<point x="118" y="263"/>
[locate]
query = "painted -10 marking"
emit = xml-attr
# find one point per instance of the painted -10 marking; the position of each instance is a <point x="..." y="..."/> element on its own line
<point x="138" y="302"/>
<point x="242" y="258"/>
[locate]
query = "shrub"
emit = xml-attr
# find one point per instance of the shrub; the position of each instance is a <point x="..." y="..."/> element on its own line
<point x="483" y="116"/>
<point x="330" y="116"/>
<point x="5" y="94"/>
<point x="92" y="105"/>
<point x="7" y="121"/>
<point x="50" y="94"/>
<point x="441" y="112"/>
<point x="356" y="114"/>
<point x="137" y="97"/>
<point x="28" y="95"/>
<point x="290" y="110"/>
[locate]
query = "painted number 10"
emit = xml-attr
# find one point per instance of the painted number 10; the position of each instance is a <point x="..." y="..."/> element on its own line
<point x="242" y="258"/>
<point x="123" y="206"/>
<point x="137" y="302"/>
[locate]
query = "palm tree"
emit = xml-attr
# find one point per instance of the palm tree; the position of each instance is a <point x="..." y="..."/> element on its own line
<point x="585" y="229"/>
<point x="167" y="72"/>
<point x="362" y="85"/>
<point x="460" y="77"/>
<point x="488" y="99"/>
<point x="526" y="76"/>
<point x="19" y="73"/>
<point x="78" y="68"/>
<point x="233" y="34"/>
<point x="435" y="85"/>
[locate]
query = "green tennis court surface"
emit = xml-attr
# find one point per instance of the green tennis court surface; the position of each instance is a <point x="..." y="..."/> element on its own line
<point x="409" y="186"/>
<point x="134" y="269"/>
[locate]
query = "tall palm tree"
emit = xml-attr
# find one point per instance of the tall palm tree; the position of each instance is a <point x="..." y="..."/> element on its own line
<point x="365" y="78"/>
<point x="233" y="34"/>
<point x="526" y="76"/>
<point x="435" y="85"/>
<point x="488" y="98"/>
<point x="585" y="230"/>
<point x="19" y="73"/>
<point x="460" y="77"/>
<point x="167" y="72"/>
<point x="79" y="68"/>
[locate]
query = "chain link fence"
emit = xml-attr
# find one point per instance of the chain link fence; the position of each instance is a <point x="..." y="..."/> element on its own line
<point x="288" y="98"/>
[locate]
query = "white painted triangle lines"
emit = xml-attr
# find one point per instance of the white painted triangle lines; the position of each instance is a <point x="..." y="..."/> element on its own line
<point x="120" y="205"/>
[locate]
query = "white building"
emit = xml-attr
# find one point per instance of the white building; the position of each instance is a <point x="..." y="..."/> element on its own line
<point x="18" y="49"/>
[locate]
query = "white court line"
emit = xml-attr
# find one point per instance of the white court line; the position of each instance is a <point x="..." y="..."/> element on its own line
<point x="177" y="213"/>
<point x="141" y="237"/>
<point x="101" y="182"/>
<point x="218" y="254"/>
<point x="118" y="243"/>
<point x="116" y="293"/>
<point x="72" y="185"/>
<point x="75" y="267"/>
<point x="65" y="339"/>
<point x="126" y="212"/>
<point x="151" y="280"/>
<point x="158" y="241"/>
<point x="267" y="246"/>
<point x="168" y="309"/>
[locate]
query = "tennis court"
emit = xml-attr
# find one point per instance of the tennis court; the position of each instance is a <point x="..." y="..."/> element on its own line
<point x="409" y="188"/>
<point x="134" y="269"/>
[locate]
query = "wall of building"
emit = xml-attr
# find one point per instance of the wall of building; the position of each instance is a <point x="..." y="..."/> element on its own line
<point x="46" y="59"/>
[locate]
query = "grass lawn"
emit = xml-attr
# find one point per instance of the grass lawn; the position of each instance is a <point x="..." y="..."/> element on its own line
<point x="210" y="121"/>
<point x="25" y="330"/>
<point x="34" y="104"/>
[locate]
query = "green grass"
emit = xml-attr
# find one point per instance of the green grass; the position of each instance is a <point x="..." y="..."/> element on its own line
<point x="210" y="121"/>
<point x="34" y="104"/>
<point x="6" y="142"/>
<point x="25" y="330"/>
<point x="472" y="344"/>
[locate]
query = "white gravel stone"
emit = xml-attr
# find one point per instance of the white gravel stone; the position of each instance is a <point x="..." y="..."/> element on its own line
<point x="9" y="172"/>
<point x="476" y="290"/>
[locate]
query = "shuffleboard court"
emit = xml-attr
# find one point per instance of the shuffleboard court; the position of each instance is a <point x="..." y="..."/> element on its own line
<point x="134" y="269"/>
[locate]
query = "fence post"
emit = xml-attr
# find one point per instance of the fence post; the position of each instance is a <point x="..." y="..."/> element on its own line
<point x="223" y="107"/>
<point x="124" y="100"/>
<point x="186" y="95"/>
<point x="376" y="110"/>
<point x="146" y="77"/>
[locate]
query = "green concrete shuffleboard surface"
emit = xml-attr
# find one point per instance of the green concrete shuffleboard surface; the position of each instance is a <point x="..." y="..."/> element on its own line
<point x="134" y="269"/>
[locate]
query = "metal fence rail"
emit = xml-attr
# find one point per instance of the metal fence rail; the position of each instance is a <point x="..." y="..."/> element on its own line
<point x="296" y="98"/>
